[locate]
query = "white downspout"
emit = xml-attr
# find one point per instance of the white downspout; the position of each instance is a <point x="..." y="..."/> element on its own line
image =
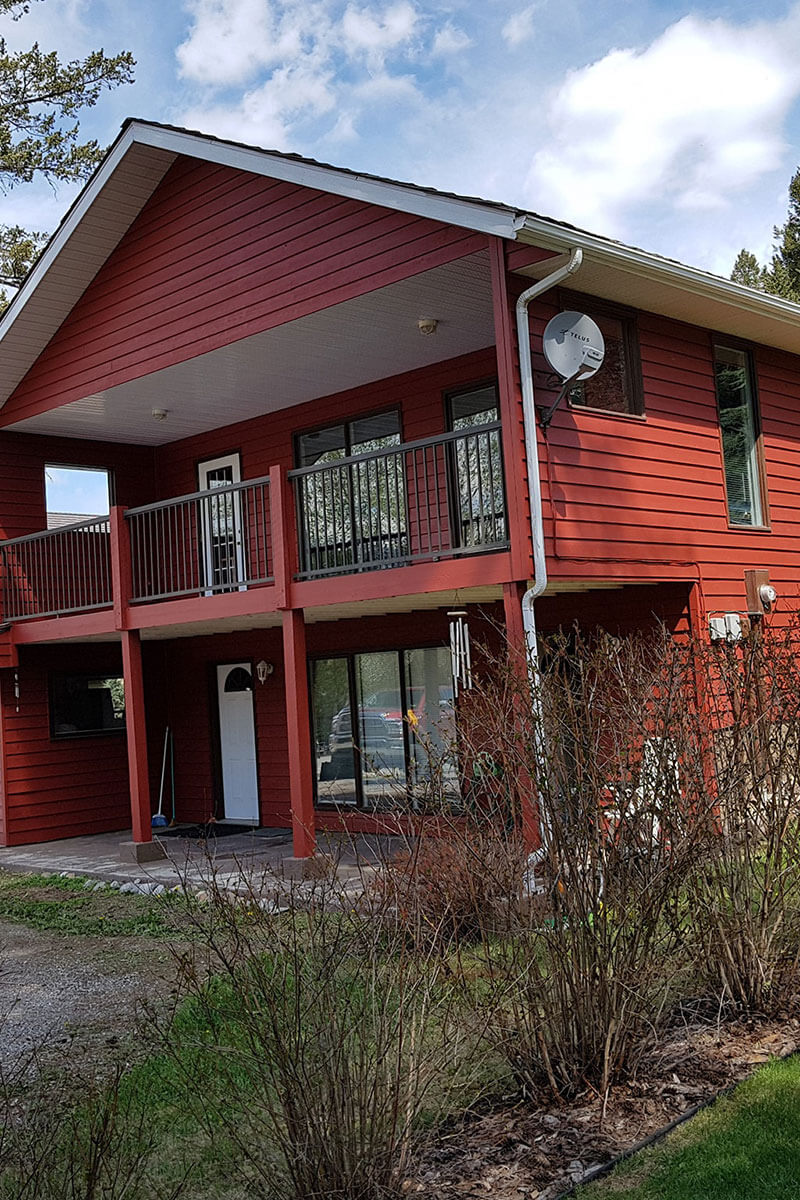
<point x="532" y="454"/>
<point x="535" y="496"/>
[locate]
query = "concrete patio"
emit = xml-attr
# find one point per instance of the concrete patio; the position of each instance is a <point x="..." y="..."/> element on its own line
<point x="260" y="858"/>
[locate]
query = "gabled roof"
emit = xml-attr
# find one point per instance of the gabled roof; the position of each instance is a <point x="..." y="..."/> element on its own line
<point x="145" y="150"/>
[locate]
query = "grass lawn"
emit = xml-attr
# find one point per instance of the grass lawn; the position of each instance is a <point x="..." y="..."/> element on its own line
<point x="65" y="906"/>
<point x="745" y="1147"/>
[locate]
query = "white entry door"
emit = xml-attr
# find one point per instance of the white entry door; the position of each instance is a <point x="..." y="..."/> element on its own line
<point x="238" y="742"/>
<point x="223" y="543"/>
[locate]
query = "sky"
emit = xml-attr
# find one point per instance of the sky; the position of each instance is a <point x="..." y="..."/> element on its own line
<point x="674" y="128"/>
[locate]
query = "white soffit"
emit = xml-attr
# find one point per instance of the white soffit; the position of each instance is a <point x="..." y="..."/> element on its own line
<point x="361" y="341"/>
<point x="90" y="231"/>
<point x="616" y="272"/>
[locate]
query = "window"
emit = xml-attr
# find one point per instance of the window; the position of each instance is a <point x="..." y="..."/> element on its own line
<point x="74" y="494"/>
<point x="738" y="420"/>
<point x="352" y="514"/>
<point x="402" y="742"/>
<point x="617" y="386"/>
<point x="86" y="705"/>
<point x="476" y="468"/>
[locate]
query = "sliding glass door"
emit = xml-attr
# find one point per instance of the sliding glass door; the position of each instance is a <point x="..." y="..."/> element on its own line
<point x="400" y="746"/>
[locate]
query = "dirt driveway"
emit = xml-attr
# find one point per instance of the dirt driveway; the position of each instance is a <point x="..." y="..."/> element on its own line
<point x="76" y="997"/>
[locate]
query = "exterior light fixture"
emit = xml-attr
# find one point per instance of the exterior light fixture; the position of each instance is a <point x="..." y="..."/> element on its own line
<point x="159" y="414"/>
<point x="460" y="654"/>
<point x="263" y="669"/>
<point x="427" y="326"/>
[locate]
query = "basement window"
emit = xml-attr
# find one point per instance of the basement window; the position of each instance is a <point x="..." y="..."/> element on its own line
<point x="84" y="705"/>
<point x="75" y="494"/>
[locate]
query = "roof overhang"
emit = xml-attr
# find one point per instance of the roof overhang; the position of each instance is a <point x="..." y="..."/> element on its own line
<point x="649" y="282"/>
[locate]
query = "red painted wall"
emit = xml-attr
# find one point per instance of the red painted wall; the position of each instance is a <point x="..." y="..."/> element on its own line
<point x="63" y="788"/>
<point x="644" y="497"/>
<point x="217" y="255"/>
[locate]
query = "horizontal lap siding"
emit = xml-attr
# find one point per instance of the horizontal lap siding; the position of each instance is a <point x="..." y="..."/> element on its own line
<point x="22" y="463"/>
<point x="217" y="255"/>
<point x="53" y="788"/>
<point x="644" y="495"/>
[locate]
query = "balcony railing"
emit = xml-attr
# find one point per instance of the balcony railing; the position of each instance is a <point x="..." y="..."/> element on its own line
<point x="437" y="498"/>
<point x="202" y="544"/>
<point x="58" y="571"/>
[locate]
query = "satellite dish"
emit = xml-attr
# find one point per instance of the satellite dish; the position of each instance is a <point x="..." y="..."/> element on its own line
<point x="573" y="346"/>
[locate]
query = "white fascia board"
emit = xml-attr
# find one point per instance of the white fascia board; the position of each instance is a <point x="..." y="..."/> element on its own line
<point x="65" y="231"/>
<point x="468" y="214"/>
<point x="538" y="232"/>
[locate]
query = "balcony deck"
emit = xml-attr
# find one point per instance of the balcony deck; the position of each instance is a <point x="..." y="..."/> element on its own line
<point x="328" y="534"/>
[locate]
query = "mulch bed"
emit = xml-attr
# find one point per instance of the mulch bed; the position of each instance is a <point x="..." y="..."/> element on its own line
<point x="538" y="1153"/>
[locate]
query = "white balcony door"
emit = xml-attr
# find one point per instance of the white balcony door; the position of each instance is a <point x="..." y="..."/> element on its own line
<point x="223" y="541"/>
<point x="237" y="737"/>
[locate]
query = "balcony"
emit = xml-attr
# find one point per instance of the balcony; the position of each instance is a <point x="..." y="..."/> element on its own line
<point x="432" y="500"/>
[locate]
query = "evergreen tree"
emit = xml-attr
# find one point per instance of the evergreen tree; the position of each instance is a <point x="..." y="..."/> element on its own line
<point x="782" y="276"/>
<point x="40" y="99"/>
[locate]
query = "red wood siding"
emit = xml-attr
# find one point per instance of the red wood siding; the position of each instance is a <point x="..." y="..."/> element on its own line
<point x="56" y="789"/>
<point x="638" y="497"/>
<point x="22" y="462"/>
<point x="217" y="255"/>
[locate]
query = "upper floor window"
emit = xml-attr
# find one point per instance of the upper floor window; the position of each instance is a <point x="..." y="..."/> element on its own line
<point x="738" y="420"/>
<point x="478" y="406"/>
<point x="617" y="386"/>
<point x="74" y="494"/>
<point x="359" y="436"/>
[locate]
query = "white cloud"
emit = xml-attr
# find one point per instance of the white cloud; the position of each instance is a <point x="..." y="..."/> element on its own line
<point x="232" y="40"/>
<point x="450" y="40"/>
<point x="372" y="33"/>
<point x="519" y="27"/>
<point x="691" y="120"/>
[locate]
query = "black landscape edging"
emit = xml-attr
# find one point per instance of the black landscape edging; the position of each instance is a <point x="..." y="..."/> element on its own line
<point x="659" y="1135"/>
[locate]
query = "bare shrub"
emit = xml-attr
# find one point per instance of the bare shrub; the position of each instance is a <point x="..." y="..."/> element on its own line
<point x="612" y="741"/>
<point x="331" y="1042"/>
<point x="745" y="897"/>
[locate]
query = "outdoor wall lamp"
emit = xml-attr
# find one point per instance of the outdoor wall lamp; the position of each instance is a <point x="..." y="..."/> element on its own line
<point x="263" y="669"/>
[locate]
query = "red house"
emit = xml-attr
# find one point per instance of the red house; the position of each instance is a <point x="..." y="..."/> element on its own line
<point x="303" y="389"/>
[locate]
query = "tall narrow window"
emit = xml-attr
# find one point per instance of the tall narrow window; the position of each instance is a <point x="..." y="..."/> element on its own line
<point x="476" y="469"/>
<point x="733" y="372"/>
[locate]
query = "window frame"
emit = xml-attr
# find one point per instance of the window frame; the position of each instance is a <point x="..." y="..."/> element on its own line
<point x="722" y="341"/>
<point x="346" y="422"/>
<point x="350" y="656"/>
<point x="629" y="320"/>
<point x="55" y="735"/>
<point x="71" y="466"/>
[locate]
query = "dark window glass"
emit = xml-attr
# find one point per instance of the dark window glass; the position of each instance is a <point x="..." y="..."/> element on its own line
<point x="478" y="407"/>
<point x="737" y="417"/>
<point x="617" y="386"/>
<point x="401" y="744"/>
<point x="360" y="436"/>
<point x="82" y="705"/>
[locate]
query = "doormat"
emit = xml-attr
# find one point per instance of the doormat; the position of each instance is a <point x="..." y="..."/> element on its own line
<point x="214" y="829"/>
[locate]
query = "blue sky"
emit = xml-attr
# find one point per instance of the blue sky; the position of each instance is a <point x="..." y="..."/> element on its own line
<point x="671" y="127"/>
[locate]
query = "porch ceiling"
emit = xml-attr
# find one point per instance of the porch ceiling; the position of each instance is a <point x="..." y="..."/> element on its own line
<point x="360" y="341"/>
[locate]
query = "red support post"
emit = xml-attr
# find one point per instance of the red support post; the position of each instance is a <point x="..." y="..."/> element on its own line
<point x="121" y="568"/>
<point x="282" y="527"/>
<point x="138" y="771"/>
<point x="513" y="429"/>
<point x="301" y="780"/>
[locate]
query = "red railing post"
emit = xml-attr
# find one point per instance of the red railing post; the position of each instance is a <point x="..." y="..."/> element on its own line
<point x="121" y="567"/>
<point x="282" y="528"/>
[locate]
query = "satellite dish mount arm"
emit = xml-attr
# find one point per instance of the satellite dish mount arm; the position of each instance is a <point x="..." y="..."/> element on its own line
<point x="546" y="414"/>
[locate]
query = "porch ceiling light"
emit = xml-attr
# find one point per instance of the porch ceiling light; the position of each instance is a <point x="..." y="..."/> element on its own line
<point x="159" y="414"/>
<point x="427" y="326"/>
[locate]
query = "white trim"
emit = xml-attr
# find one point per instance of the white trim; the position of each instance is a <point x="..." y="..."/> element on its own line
<point x="532" y="230"/>
<point x="470" y="214"/>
